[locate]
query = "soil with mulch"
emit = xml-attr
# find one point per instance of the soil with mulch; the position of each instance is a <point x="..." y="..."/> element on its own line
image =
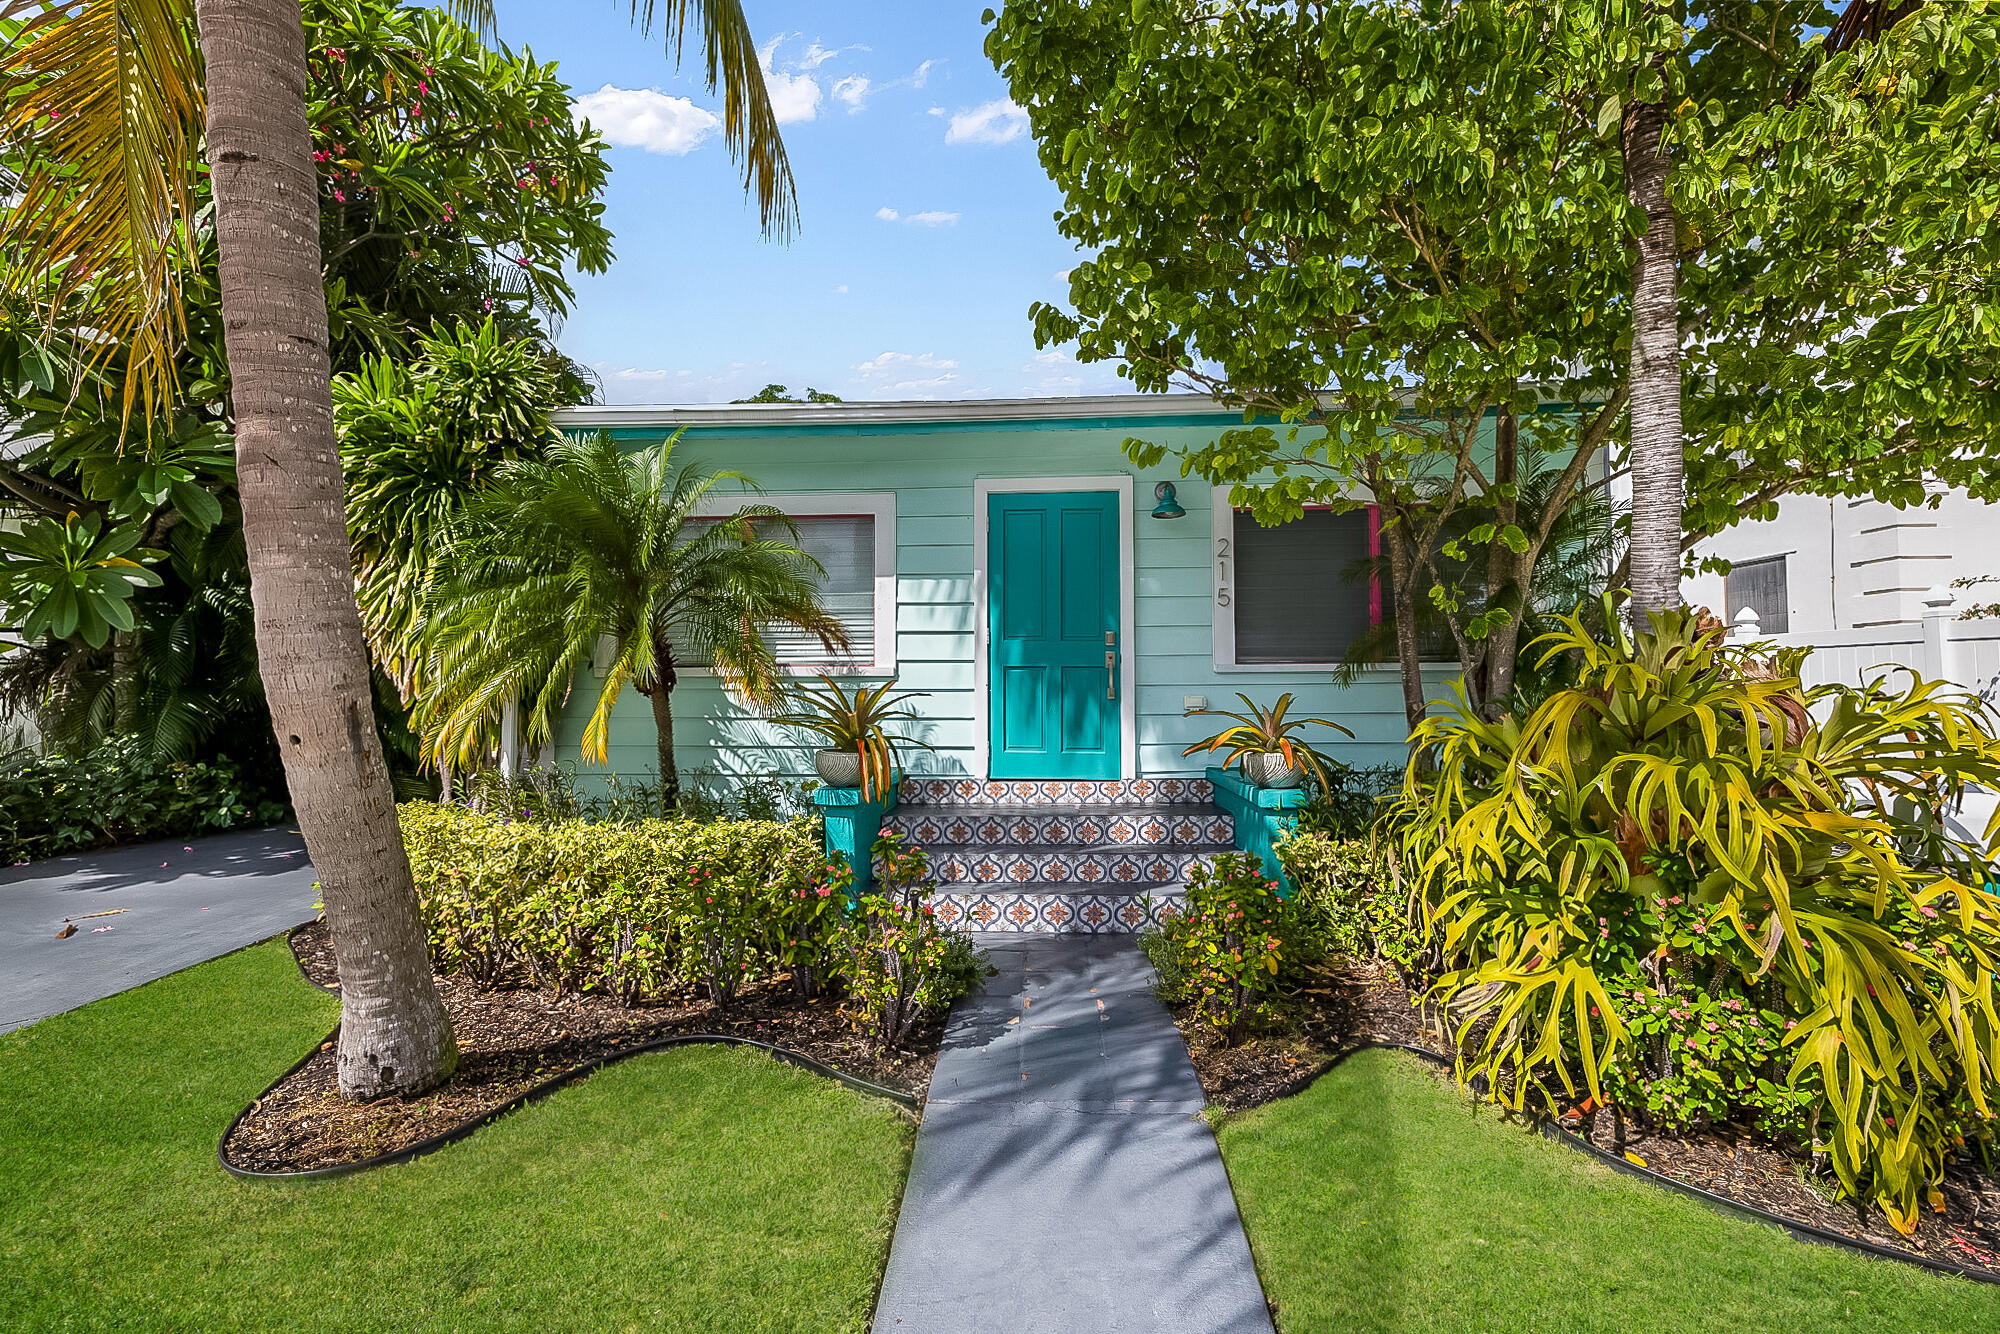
<point x="513" y="1036"/>
<point x="1343" y="1002"/>
<point x="1349" y="1002"/>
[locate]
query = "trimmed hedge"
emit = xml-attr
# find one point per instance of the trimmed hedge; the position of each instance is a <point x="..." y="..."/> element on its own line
<point x="631" y="909"/>
<point x="644" y="908"/>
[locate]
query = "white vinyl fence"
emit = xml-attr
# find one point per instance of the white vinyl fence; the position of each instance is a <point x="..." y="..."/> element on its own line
<point x="1943" y="648"/>
<point x="1965" y="653"/>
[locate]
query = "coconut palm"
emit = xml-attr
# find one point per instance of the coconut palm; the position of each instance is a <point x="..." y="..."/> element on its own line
<point x="594" y="544"/>
<point x="102" y="105"/>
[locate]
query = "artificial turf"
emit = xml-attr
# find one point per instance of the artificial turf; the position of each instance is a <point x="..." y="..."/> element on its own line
<point x="1382" y="1199"/>
<point x="703" y="1189"/>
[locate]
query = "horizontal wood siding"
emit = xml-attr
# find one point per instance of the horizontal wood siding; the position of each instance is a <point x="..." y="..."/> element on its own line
<point x="932" y="473"/>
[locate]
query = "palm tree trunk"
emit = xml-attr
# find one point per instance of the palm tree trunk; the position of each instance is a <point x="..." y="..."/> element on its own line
<point x="662" y="697"/>
<point x="1657" y="464"/>
<point x="394" y="1034"/>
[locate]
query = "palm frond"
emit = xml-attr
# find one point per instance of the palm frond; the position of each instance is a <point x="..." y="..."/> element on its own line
<point x="103" y="100"/>
<point x="749" y="125"/>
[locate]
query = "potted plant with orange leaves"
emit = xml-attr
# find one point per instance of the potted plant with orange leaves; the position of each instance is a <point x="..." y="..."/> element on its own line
<point x="1261" y="743"/>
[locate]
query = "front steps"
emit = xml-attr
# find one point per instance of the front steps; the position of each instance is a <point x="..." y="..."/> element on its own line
<point x="1060" y="856"/>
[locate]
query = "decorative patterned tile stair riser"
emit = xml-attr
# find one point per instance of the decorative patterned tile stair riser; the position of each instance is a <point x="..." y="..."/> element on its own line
<point x="1060" y="912"/>
<point x="972" y="792"/>
<point x="1160" y="827"/>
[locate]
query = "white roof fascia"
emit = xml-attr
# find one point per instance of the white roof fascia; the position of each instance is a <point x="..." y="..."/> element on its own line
<point x="918" y="410"/>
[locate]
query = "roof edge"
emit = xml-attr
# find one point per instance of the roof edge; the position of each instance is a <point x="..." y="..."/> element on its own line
<point x="592" y="417"/>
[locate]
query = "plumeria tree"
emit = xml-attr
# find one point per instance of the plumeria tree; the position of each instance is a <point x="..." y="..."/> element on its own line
<point x="428" y="218"/>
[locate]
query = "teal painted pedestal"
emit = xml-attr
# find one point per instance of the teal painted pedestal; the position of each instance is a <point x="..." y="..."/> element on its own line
<point x="1261" y="814"/>
<point x="852" y="825"/>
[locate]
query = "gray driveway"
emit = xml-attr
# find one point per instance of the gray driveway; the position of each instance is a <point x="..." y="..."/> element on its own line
<point x="1063" y="1180"/>
<point x="185" y="900"/>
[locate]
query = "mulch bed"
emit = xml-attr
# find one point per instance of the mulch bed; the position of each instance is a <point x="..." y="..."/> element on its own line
<point x="1348" y="1002"/>
<point x="514" y="1036"/>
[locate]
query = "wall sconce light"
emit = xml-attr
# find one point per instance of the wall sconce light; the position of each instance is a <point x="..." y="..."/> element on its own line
<point x="1169" y="506"/>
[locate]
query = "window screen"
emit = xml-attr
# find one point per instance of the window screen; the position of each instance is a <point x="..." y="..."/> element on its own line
<point x="1295" y="601"/>
<point x="1760" y="584"/>
<point x="845" y="545"/>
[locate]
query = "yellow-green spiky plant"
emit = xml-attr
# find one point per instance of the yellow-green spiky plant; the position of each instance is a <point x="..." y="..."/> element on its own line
<point x="1807" y="823"/>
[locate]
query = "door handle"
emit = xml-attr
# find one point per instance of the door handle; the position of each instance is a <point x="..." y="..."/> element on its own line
<point x="1111" y="676"/>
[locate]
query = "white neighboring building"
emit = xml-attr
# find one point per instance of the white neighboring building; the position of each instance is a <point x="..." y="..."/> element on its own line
<point x="1849" y="564"/>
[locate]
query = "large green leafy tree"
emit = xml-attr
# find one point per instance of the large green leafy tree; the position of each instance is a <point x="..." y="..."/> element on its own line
<point x="1818" y="183"/>
<point x="1376" y="222"/>
<point x="596" y="544"/>
<point x="106" y="100"/>
<point x="1373" y="223"/>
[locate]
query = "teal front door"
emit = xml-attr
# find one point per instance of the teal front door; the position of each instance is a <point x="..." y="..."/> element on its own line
<point x="1052" y="631"/>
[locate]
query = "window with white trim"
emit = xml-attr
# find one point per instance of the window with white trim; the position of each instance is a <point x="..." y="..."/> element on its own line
<point x="853" y="537"/>
<point x="844" y="545"/>
<point x="1296" y="600"/>
<point x="1762" y="585"/>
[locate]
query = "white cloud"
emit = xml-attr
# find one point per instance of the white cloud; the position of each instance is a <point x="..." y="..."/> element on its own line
<point x="817" y="55"/>
<point x="795" y="97"/>
<point x="852" y="91"/>
<point x="922" y="74"/>
<point x="910" y="374"/>
<point x="936" y="111"/>
<point x="999" y="122"/>
<point x="1062" y="275"/>
<point x="1058" y="373"/>
<point x="646" y="118"/>
<point x="840" y="290"/>
<point x="934" y="217"/>
<point x="646" y="384"/>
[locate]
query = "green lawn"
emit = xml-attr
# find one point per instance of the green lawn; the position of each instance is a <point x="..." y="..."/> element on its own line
<point x="1380" y="1199"/>
<point x="705" y="1189"/>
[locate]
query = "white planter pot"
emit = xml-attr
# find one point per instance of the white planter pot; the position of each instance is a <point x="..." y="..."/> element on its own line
<point x="838" y="768"/>
<point x="1271" y="771"/>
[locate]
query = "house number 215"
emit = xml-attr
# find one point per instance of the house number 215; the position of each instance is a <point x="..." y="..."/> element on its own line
<point x="1221" y="571"/>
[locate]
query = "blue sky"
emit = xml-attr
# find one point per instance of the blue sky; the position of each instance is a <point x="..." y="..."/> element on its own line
<point x="925" y="229"/>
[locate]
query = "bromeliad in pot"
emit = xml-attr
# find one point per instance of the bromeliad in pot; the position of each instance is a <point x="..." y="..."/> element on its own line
<point x="862" y="752"/>
<point x="1262" y="745"/>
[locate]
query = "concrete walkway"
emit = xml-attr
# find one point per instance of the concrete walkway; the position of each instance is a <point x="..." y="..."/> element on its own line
<point x="1063" y="1179"/>
<point x="186" y="900"/>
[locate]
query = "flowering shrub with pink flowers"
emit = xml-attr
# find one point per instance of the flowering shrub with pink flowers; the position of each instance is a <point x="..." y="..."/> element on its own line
<point x="898" y="965"/>
<point x="1225" y="951"/>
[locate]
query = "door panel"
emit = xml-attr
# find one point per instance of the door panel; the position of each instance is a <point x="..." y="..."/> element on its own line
<point x="1054" y="596"/>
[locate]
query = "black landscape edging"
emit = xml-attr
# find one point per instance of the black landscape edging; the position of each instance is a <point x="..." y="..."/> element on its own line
<point x="292" y="943"/>
<point x="554" y="1083"/>
<point x="1797" y="1229"/>
<point x="575" y="1074"/>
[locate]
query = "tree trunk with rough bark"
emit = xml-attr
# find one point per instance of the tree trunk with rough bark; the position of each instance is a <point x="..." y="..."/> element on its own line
<point x="395" y="1037"/>
<point x="1657" y="462"/>
<point x="1403" y="604"/>
<point x="662" y="696"/>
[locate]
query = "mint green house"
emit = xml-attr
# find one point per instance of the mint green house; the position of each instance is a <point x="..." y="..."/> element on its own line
<point x="1063" y="612"/>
